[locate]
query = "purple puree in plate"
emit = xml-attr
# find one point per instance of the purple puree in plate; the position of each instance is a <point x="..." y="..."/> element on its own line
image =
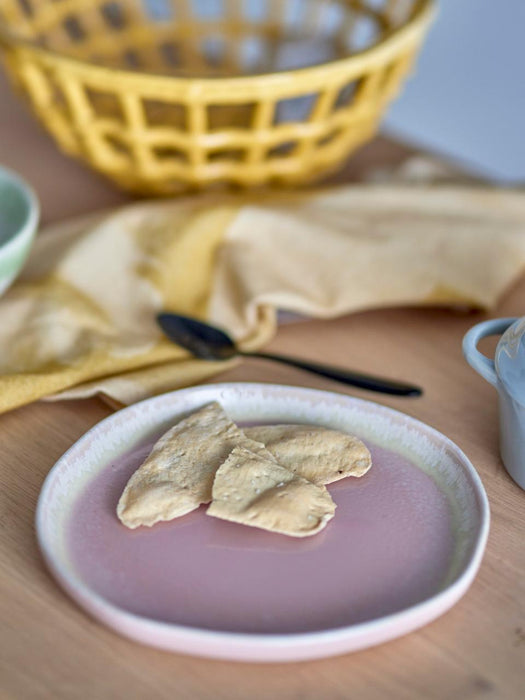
<point x="389" y="546"/>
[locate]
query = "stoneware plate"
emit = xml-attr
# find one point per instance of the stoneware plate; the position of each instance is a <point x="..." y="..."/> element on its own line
<point x="403" y="547"/>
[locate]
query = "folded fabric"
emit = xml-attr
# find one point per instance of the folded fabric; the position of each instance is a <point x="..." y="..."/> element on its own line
<point x="81" y="318"/>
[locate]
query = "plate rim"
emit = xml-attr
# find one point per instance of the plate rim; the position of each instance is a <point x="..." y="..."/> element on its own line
<point x="255" y="646"/>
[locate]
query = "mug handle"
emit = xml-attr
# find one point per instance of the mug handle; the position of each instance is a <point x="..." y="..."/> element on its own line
<point x="474" y="357"/>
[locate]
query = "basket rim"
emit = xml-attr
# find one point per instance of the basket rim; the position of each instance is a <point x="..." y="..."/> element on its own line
<point x="410" y="31"/>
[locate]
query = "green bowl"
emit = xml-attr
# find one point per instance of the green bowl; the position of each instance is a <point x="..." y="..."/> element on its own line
<point x="19" y="215"/>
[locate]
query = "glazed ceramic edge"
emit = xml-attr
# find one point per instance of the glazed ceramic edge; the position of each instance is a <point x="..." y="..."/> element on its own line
<point x="147" y="417"/>
<point x="15" y="249"/>
<point x="509" y="347"/>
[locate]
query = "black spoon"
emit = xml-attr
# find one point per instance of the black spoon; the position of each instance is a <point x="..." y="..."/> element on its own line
<point x="209" y="343"/>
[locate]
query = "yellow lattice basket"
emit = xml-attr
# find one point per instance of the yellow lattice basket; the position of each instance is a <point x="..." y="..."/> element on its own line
<point x="164" y="95"/>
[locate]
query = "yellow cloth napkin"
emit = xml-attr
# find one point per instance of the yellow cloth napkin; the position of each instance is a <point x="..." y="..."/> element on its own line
<point x="81" y="318"/>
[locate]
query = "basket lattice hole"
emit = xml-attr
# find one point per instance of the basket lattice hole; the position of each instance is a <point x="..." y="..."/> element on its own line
<point x="26" y="7"/>
<point x="73" y="28"/>
<point x="227" y="155"/>
<point x="113" y="15"/>
<point x="253" y="54"/>
<point x="347" y="95"/>
<point x="131" y="59"/>
<point x="255" y="11"/>
<point x="283" y="150"/>
<point x="167" y="154"/>
<point x="167" y="114"/>
<point x="105" y="105"/>
<point x="208" y="9"/>
<point x="329" y="138"/>
<point x="295" y="53"/>
<point x="213" y="49"/>
<point x="331" y="17"/>
<point x="295" y="109"/>
<point x="365" y="32"/>
<point x="118" y="146"/>
<point x="293" y="14"/>
<point x="221" y="117"/>
<point x="170" y="54"/>
<point x="159" y="10"/>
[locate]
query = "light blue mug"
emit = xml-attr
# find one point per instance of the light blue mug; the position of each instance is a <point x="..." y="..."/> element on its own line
<point x="507" y="373"/>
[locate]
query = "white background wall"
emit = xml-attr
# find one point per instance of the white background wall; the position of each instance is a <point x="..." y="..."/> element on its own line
<point x="467" y="99"/>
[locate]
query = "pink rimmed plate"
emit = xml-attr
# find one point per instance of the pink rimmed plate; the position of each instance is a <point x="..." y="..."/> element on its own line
<point x="405" y="543"/>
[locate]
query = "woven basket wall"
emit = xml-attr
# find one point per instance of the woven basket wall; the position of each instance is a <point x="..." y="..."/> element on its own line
<point x="165" y="95"/>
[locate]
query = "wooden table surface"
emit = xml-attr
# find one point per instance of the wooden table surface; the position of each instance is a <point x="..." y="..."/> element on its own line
<point x="51" y="649"/>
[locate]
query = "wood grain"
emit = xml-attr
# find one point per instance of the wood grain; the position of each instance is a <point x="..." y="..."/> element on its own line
<point x="50" y="649"/>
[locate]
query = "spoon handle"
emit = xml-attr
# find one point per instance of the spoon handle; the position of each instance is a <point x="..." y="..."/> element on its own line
<point x="346" y="376"/>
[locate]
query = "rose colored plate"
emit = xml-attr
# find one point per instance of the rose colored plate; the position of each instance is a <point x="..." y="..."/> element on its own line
<point x="405" y="543"/>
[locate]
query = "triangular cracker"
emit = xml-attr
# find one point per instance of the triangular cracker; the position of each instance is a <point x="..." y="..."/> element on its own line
<point x="317" y="454"/>
<point x="253" y="490"/>
<point x="177" y="476"/>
